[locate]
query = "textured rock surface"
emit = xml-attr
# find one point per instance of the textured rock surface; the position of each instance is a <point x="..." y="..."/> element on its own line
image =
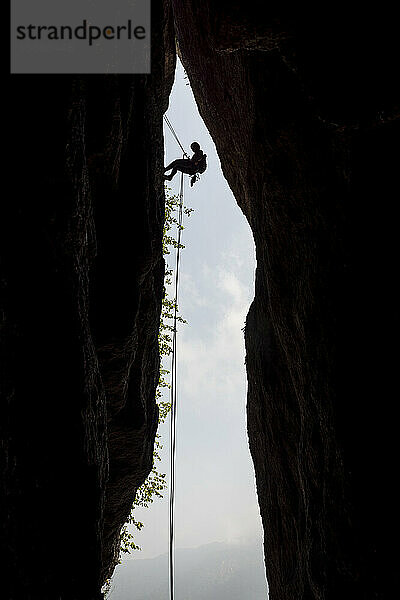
<point x="303" y="109"/>
<point x="304" y="115"/>
<point x="82" y="277"/>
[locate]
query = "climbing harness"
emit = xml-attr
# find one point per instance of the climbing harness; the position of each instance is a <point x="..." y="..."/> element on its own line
<point x="202" y="165"/>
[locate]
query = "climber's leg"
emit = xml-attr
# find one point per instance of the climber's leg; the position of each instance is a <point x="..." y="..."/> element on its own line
<point x="171" y="175"/>
<point x="171" y="165"/>
<point x="182" y="164"/>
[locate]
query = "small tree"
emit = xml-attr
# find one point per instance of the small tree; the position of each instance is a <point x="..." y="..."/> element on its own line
<point x="155" y="484"/>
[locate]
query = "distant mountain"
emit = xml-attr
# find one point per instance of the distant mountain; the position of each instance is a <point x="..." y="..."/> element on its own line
<point x="213" y="572"/>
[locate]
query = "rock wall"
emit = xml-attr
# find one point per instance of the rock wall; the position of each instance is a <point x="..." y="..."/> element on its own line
<point x="303" y="107"/>
<point x="82" y="280"/>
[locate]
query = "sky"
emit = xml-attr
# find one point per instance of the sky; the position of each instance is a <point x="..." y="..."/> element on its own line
<point x="215" y="485"/>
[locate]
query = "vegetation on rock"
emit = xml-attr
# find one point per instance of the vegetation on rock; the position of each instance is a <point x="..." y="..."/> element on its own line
<point x="155" y="483"/>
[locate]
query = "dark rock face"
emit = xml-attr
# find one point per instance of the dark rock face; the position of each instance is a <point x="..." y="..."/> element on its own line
<point x="304" y="113"/>
<point x="82" y="280"/>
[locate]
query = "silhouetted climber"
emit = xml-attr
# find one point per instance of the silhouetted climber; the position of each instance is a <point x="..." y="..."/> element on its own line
<point x="190" y="166"/>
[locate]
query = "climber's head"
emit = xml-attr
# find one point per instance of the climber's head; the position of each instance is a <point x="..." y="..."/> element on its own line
<point x="195" y="146"/>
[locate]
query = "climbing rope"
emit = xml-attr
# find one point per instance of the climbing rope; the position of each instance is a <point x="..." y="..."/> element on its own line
<point x="168" y="122"/>
<point x="174" y="397"/>
<point x="174" y="387"/>
<point x="174" y="403"/>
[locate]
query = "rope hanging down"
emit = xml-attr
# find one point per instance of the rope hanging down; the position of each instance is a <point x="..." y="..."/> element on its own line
<point x="174" y="403"/>
<point x="168" y="122"/>
<point x="174" y="384"/>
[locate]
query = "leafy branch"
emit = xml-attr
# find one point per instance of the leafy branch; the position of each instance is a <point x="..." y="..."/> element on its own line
<point x="155" y="484"/>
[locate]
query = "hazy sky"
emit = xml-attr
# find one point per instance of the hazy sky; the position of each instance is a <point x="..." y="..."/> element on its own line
<point x="215" y="486"/>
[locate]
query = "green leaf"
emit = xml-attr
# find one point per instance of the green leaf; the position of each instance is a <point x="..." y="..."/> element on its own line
<point x="156" y="483"/>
